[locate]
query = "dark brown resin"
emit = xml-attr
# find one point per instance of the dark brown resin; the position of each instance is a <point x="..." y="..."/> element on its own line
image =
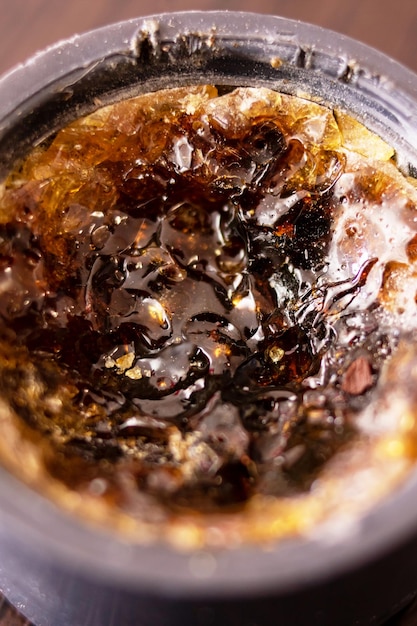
<point x="172" y="328"/>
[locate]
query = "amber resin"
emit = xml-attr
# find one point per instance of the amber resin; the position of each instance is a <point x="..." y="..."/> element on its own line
<point x="205" y="300"/>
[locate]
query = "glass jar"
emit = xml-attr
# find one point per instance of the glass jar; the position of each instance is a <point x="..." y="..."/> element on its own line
<point x="58" y="570"/>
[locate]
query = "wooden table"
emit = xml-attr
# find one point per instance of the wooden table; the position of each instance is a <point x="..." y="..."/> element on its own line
<point x="29" y="25"/>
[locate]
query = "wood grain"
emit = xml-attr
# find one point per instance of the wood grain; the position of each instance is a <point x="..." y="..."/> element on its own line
<point x="9" y="616"/>
<point x="27" y="26"/>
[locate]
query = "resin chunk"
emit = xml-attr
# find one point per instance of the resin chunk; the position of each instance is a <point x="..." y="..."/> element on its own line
<point x="201" y="295"/>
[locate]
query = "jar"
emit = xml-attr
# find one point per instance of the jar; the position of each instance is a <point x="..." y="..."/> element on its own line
<point x="58" y="570"/>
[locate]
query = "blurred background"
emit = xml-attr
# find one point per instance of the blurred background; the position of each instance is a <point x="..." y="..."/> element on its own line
<point x="29" y="25"/>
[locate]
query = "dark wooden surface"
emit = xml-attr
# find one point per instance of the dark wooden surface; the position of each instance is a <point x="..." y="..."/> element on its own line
<point x="27" y="26"/>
